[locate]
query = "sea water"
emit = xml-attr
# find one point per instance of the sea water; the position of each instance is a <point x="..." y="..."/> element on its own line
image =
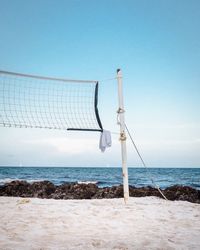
<point x="109" y="176"/>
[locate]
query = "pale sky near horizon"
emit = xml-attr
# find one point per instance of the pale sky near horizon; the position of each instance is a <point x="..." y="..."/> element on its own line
<point x="156" y="43"/>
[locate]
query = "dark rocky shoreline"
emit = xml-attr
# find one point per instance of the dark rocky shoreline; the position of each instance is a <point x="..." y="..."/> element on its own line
<point x="48" y="190"/>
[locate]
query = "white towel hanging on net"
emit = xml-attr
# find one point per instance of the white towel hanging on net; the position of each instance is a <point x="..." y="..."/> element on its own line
<point x="105" y="140"/>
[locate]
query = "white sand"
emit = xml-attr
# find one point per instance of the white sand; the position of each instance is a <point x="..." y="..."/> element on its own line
<point x="145" y="223"/>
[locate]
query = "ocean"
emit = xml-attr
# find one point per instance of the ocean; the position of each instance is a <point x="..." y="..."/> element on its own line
<point x="139" y="177"/>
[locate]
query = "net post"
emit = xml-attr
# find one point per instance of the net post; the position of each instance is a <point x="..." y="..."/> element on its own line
<point x="122" y="138"/>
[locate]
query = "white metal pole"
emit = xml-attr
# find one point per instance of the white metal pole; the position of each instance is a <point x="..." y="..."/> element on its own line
<point x="122" y="136"/>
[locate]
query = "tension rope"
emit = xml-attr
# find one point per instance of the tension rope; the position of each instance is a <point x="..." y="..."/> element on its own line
<point x="140" y="156"/>
<point x="144" y="164"/>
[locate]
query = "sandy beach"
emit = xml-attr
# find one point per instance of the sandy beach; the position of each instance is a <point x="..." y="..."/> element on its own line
<point x="144" y="223"/>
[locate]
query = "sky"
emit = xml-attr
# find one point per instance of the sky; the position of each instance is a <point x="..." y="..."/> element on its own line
<point x="156" y="43"/>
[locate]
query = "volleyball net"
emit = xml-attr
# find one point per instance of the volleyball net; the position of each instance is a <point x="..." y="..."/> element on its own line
<point x="31" y="101"/>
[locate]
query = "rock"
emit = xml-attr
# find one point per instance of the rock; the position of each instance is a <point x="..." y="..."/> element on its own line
<point x="46" y="189"/>
<point x="24" y="189"/>
<point x="75" y="191"/>
<point x="143" y="191"/>
<point x="15" y="188"/>
<point x="42" y="189"/>
<point x="182" y="193"/>
<point x="109" y="192"/>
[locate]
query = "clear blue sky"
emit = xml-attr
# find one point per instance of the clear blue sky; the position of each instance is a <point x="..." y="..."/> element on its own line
<point x="157" y="45"/>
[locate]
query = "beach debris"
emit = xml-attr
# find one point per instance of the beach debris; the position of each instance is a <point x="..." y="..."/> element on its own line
<point x="23" y="201"/>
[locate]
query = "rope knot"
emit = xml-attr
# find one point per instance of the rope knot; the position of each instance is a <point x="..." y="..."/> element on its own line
<point x="120" y="111"/>
<point x="122" y="137"/>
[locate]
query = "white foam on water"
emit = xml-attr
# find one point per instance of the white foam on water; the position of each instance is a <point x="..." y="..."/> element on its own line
<point x="7" y="180"/>
<point x="87" y="182"/>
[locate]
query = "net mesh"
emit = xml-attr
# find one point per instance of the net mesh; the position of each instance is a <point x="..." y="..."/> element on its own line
<point x="41" y="102"/>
